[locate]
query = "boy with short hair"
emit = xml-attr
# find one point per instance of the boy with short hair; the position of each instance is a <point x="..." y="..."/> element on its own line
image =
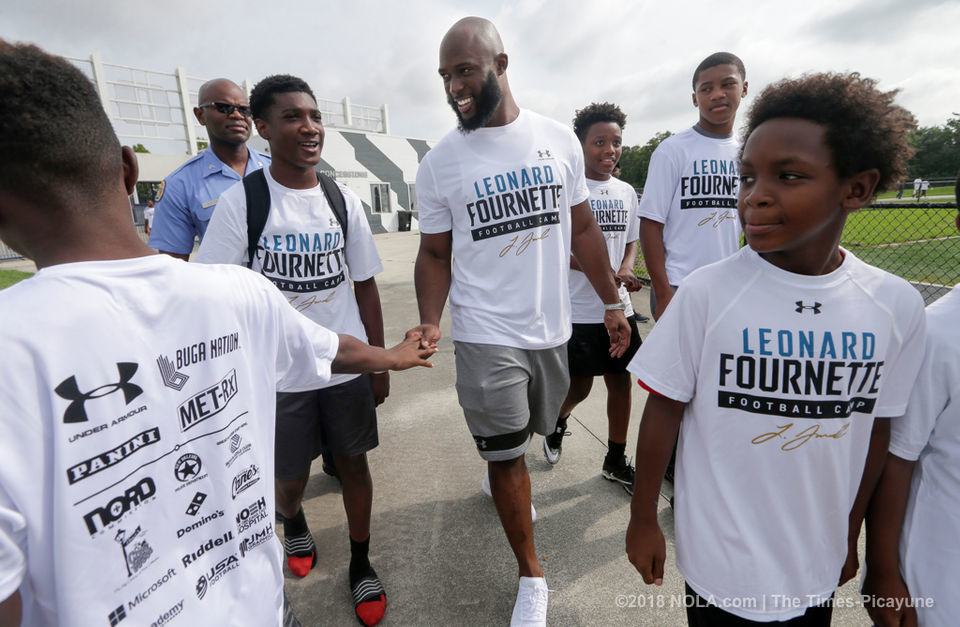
<point x="312" y="258"/>
<point x="134" y="465"/>
<point x="688" y="209"/>
<point x="919" y="489"/>
<point x="786" y="376"/>
<point x="599" y="127"/>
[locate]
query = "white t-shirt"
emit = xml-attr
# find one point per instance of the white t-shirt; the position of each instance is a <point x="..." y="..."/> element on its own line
<point x="691" y="189"/>
<point x="301" y="251"/>
<point x="136" y="467"/>
<point x="930" y="433"/>
<point x="614" y="206"/>
<point x="783" y="375"/>
<point x="925" y="185"/>
<point x="916" y="184"/>
<point x="505" y="192"/>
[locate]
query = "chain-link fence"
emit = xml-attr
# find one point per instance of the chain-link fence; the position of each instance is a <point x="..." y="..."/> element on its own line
<point x="917" y="241"/>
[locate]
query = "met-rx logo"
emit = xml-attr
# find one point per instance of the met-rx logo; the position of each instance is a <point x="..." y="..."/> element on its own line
<point x="258" y="538"/>
<point x="195" y="504"/>
<point x="208" y="403"/>
<point x="118" y="506"/>
<point x="70" y="390"/>
<point x="815" y="307"/>
<point x="171" y="377"/>
<point x="247" y="477"/>
<point x="251" y="515"/>
<point x="92" y="466"/>
<point x="136" y="550"/>
<point x="216" y="573"/>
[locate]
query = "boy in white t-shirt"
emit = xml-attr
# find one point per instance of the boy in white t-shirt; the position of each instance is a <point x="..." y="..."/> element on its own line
<point x="599" y="127"/>
<point x="918" y="567"/>
<point x="312" y="259"/>
<point x="134" y="466"/>
<point x="780" y="368"/>
<point x="688" y="211"/>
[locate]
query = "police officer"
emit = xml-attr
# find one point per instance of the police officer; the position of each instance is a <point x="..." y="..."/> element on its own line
<point x="189" y="195"/>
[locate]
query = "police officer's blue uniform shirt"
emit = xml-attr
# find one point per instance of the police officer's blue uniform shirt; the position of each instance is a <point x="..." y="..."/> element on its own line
<point x="189" y="196"/>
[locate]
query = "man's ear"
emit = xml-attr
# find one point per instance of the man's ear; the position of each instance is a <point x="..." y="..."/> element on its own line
<point x="501" y="61"/>
<point x="744" y="93"/>
<point x="693" y="97"/>
<point x="263" y="128"/>
<point x="197" y="111"/>
<point x="131" y="169"/>
<point x="860" y="189"/>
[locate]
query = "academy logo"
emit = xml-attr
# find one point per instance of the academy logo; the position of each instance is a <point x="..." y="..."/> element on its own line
<point x="118" y="506"/>
<point x="173" y="612"/>
<point x="70" y="390"/>
<point x="92" y="466"/>
<point x="247" y="477"/>
<point x="251" y="515"/>
<point x="136" y="550"/>
<point x="208" y="403"/>
<point x="258" y="538"/>
<point x="172" y="378"/>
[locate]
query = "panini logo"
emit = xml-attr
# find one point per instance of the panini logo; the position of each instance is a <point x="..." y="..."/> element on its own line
<point x="247" y="477"/>
<point x="92" y="466"/>
<point x="118" y="506"/>
<point x="208" y="403"/>
<point x="256" y="540"/>
<point x="251" y="515"/>
<point x="215" y="574"/>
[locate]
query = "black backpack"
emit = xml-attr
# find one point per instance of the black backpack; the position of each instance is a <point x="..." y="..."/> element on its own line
<point x="258" y="206"/>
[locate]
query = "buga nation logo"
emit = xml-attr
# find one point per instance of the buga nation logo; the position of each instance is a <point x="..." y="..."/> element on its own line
<point x="247" y="477"/>
<point x="172" y="378"/>
<point x="132" y="497"/>
<point x="92" y="466"/>
<point x="208" y="403"/>
<point x="70" y="390"/>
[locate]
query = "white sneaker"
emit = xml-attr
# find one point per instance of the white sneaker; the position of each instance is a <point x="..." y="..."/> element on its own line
<point x="530" y="609"/>
<point x="485" y="486"/>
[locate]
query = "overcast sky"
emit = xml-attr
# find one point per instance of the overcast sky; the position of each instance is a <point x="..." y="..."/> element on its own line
<point x="563" y="54"/>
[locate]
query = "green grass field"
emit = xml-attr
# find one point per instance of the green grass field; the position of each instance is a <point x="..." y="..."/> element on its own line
<point x="870" y="227"/>
<point x="924" y="262"/>
<point x="9" y="277"/>
<point x="946" y="190"/>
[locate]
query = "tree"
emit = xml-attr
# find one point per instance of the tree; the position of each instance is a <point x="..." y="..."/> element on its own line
<point x="140" y="148"/>
<point x="636" y="159"/>
<point x="937" y="149"/>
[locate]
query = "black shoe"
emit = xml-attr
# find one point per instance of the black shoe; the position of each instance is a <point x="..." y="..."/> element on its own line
<point x="642" y="319"/>
<point x="622" y="473"/>
<point x="553" y="443"/>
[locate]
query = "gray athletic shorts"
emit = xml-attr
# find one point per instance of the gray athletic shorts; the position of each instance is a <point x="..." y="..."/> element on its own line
<point x="506" y="393"/>
<point x="344" y="417"/>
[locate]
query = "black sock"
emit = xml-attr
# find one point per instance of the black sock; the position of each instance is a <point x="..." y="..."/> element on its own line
<point x="296" y="526"/>
<point x="561" y="425"/>
<point x="615" y="452"/>
<point x="359" y="562"/>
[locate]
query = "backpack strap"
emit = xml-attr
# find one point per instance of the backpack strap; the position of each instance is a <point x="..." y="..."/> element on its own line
<point x="335" y="197"/>
<point x="258" y="206"/>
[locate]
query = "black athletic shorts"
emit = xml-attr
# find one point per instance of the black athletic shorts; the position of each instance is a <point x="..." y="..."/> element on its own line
<point x="344" y="417"/>
<point x="588" y="351"/>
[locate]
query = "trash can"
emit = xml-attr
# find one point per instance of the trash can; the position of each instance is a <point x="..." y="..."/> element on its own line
<point x="403" y="220"/>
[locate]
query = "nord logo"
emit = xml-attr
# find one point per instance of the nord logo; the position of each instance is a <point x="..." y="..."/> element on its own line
<point x="209" y="402"/>
<point x="92" y="466"/>
<point x="120" y="505"/>
<point x="70" y="390"/>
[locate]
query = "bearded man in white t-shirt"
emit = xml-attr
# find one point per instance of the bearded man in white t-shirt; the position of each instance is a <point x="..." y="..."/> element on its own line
<point x="503" y="203"/>
<point x="134" y="466"/>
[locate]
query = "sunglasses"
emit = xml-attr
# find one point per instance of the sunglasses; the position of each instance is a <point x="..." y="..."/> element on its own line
<point x="228" y="109"/>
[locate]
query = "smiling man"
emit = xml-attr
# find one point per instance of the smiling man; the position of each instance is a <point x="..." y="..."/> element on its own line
<point x="189" y="194"/>
<point x="503" y="203"/>
<point x="305" y="250"/>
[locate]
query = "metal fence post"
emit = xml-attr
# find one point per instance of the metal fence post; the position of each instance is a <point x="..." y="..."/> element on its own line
<point x="184" y="90"/>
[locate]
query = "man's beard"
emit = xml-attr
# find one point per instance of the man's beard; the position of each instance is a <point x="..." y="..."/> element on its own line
<point x="485" y="105"/>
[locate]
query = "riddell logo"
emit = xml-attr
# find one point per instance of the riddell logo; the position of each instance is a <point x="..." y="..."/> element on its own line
<point x="118" y="506"/>
<point x="207" y="546"/>
<point x="247" y="477"/>
<point x="70" y="390"/>
<point x="92" y="466"/>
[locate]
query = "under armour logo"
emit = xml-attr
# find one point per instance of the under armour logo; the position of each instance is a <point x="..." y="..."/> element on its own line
<point x="543" y="154"/>
<point x="69" y="390"/>
<point x="171" y="377"/>
<point x="815" y="307"/>
<point x="481" y="443"/>
<point x="604" y="192"/>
